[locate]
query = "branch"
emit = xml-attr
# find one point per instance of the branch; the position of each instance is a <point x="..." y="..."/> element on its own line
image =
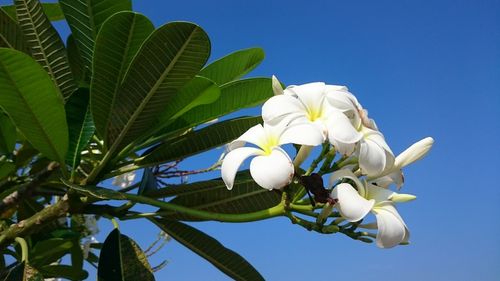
<point x="27" y="189"/>
<point x="36" y="222"/>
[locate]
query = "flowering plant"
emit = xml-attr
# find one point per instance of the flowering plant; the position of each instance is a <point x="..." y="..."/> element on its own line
<point x="128" y="101"/>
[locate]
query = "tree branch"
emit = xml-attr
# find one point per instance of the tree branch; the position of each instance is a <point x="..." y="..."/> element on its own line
<point x="27" y="189"/>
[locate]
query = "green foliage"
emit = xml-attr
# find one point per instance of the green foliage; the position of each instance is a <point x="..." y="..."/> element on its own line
<point x="163" y="71"/>
<point x="210" y="249"/>
<point x="33" y="103"/>
<point x="116" y="45"/>
<point x="46" y="46"/>
<point x="85" y="18"/>
<point x="198" y="141"/>
<point x="122" y="259"/>
<point x="11" y="35"/>
<point x="121" y="95"/>
<point x="7" y="135"/>
<point x="233" y="66"/>
<point x="53" y="11"/>
<point x="213" y="196"/>
<point x="80" y="125"/>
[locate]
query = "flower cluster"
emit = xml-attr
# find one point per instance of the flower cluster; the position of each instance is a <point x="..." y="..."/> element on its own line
<point x="314" y="114"/>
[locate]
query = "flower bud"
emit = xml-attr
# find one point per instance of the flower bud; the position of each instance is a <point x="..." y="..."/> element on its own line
<point x="277" y="88"/>
<point x="414" y="153"/>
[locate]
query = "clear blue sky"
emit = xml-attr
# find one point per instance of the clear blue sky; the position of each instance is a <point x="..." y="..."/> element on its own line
<point x="422" y="68"/>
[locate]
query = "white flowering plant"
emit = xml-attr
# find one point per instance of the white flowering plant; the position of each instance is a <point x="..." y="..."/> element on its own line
<point x="95" y="129"/>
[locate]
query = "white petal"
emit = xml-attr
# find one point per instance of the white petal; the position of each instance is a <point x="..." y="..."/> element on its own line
<point x="379" y="194"/>
<point x="341" y="129"/>
<point x="376" y="137"/>
<point x="350" y="204"/>
<point x="342" y="134"/>
<point x="345" y="173"/>
<point x="233" y="161"/>
<point x="372" y="158"/>
<point x="341" y="99"/>
<point x="272" y="171"/>
<point x="414" y="153"/>
<point x="395" y="177"/>
<point x="277" y="88"/>
<point x="279" y="107"/>
<point x="391" y="228"/>
<point x="305" y="134"/>
<point x="402" y="198"/>
<point x="255" y="135"/>
<point x="311" y="94"/>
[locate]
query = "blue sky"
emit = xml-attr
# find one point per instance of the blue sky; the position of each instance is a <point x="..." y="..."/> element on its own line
<point x="421" y="68"/>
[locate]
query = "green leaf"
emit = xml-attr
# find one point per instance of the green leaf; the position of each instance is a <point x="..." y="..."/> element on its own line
<point x="213" y="196"/>
<point x="122" y="259"/>
<point x="6" y="168"/>
<point x="198" y="91"/>
<point x="7" y="134"/>
<point x="80" y="125"/>
<point x="117" y="43"/>
<point x="52" y="10"/>
<point x="226" y="260"/>
<point x="46" y="46"/>
<point x="80" y="72"/>
<point x="233" y="97"/>
<point x="96" y="192"/>
<point x="233" y="66"/>
<point x="11" y="34"/>
<point x="167" y="60"/>
<point x="33" y="103"/>
<point x="85" y="18"/>
<point x="148" y="182"/>
<point x="48" y="251"/>
<point x="198" y="141"/>
<point x="64" y="271"/>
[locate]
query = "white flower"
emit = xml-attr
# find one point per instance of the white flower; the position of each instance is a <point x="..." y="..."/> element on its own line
<point x="124" y="180"/>
<point x="338" y="114"/>
<point x="354" y="205"/>
<point x="91" y="224"/>
<point x="272" y="168"/>
<point x="412" y="154"/>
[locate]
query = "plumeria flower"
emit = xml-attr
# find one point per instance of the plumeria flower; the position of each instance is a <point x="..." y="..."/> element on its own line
<point x="340" y="117"/>
<point x="272" y="168"/>
<point x="354" y="204"/>
<point x="124" y="180"/>
<point x="412" y="154"/>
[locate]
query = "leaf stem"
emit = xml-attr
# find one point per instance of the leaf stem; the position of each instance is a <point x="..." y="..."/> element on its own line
<point x="24" y="248"/>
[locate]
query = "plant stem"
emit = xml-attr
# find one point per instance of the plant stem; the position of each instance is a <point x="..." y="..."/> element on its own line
<point x="255" y="216"/>
<point x="24" y="248"/>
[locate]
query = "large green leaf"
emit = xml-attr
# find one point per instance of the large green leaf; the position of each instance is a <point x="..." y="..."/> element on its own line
<point x="6" y="168"/>
<point x="234" y="96"/>
<point x="80" y="125"/>
<point x="85" y="17"/>
<point x="167" y="60"/>
<point x="7" y="134"/>
<point x="198" y="141"/>
<point x="148" y="182"/>
<point x="46" y="46"/>
<point x="11" y="34"/>
<point x="117" y="43"/>
<point x="198" y="91"/>
<point x="80" y="72"/>
<point x="213" y="196"/>
<point x="48" y="251"/>
<point x="226" y="260"/>
<point x="121" y="259"/>
<point x="233" y="66"/>
<point x="64" y="271"/>
<point x="33" y="102"/>
<point x="52" y="10"/>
